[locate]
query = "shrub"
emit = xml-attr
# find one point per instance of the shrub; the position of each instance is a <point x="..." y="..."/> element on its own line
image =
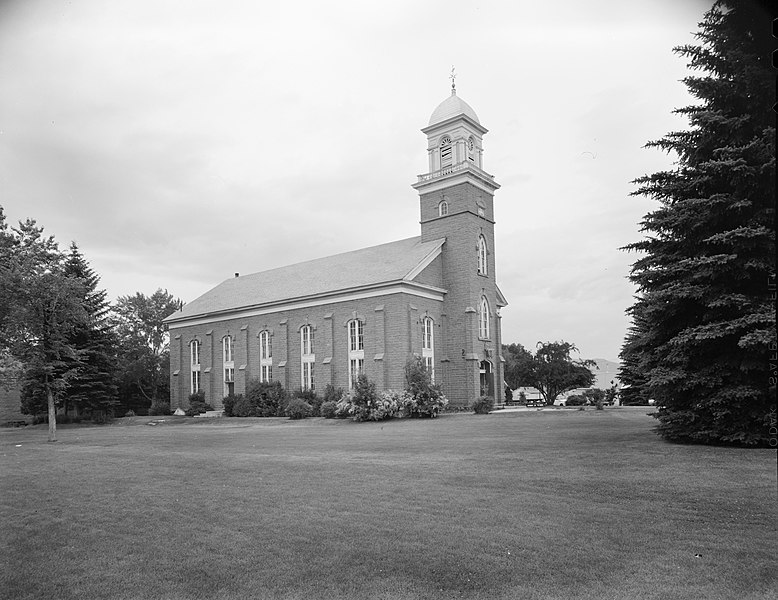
<point x="268" y="399"/>
<point x="332" y="394"/>
<point x="228" y="404"/>
<point x="343" y="406"/>
<point x="363" y="399"/>
<point x="198" y="396"/>
<point x="575" y="400"/>
<point x="242" y="407"/>
<point x="522" y="397"/>
<point x="365" y="404"/>
<point x="129" y="413"/>
<point x="101" y="417"/>
<point x="159" y="408"/>
<point x="297" y="408"/>
<point x="422" y="397"/>
<point x="311" y="398"/>
<point x="328" y="409"/>
<point x="483" y="405"/>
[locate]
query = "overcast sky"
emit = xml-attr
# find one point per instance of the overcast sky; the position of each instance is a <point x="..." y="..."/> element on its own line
<point x="179" y="142"/>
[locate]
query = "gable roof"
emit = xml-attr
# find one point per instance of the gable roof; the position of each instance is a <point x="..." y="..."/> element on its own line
<point x="368" y="267"/>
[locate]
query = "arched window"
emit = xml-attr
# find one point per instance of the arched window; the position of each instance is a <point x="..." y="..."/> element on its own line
<point x="265" y="356"/>
<point x="229" y="365"/>
<point x="307" y="358"/>
<point x="471" y="149"/>
<point x="356" y="350"/>
<point x="484" y="327"/>
<point x="446" y="152"/>
<point x="428" y="346"/>
<point x="194" y="362"/>
<point x="442" y="208"/>
<point x="482" y="253"/>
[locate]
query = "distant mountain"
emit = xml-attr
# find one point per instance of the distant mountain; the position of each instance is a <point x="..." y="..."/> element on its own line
<point x="606" y="371"/>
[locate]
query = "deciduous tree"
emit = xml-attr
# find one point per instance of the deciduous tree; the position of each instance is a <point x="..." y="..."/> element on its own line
<point x="144" y="353"/>
<point x="40" y="309"/>
<point x="551" y="370"/>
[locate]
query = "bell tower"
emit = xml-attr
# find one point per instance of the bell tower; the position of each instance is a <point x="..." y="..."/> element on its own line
<point x="457" y="204"/>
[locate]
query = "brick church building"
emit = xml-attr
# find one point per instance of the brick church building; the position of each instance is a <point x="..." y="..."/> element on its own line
<point x="368" y="311"/>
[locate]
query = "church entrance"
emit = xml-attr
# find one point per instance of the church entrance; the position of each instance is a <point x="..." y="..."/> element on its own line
<point x="487" y="379"/>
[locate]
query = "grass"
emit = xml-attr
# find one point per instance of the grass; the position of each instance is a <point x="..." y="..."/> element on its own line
<point x="533" y="505"/>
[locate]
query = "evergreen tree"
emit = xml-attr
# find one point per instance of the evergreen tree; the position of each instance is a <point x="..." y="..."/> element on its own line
<point x="93" y="388"/>
<point x="704" y="319"/>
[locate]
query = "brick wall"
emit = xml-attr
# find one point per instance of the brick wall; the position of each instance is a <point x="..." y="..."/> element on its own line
<point x="470" y="215"/>
<point x="392" y="335"/>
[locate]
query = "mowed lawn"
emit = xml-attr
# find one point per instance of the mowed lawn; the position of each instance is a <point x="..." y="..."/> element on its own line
<point x="532" y="505"/>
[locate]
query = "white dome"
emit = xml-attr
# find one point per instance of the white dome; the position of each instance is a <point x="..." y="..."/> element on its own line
<point x="452" y="106"/>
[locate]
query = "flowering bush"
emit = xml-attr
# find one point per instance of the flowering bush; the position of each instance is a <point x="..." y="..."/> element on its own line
<point x="364" y="403"/>
<point x="343" y="406"/>
<point x="422" y="397"/>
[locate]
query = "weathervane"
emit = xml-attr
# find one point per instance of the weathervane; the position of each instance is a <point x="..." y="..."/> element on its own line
<point x="453" y="77"/>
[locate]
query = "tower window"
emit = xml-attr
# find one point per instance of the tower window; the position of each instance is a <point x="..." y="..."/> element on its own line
<point x="443" y="208"/>
<point x="483" y="319"/>
<point x="482" y="265"/>
<point x="446" y="152"/>
<point x="471" y="149"/>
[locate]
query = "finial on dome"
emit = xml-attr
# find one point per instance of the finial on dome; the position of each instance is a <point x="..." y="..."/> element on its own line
<point x="453" y="77"/>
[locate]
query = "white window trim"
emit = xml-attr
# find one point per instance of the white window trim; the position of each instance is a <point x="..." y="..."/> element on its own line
<point x="356" y="350"/>
<point x="195" y="380"/>
<point x="428" y="346"/>
<point x="228" y="358"/>
<point x="483" y="251"/>
<point x="484" y="319"/>
<point x="265" y="356"/>
<point x="443" y="208"/>
<point x="307" y="358"/>
<point x="446" y="145"/>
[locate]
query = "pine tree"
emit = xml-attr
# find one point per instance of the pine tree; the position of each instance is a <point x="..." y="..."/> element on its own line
<point x="704" y="318"/>
<point x="93" y="387"/>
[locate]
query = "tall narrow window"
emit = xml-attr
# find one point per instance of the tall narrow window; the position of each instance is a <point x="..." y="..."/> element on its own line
<point x="483" y="319"/>
<point x="194" y="361"/>
<point x="428" y="346"/>
<point x="471" y="149"/>
<point x="443" y="208"/>
<point x="229" y="365"/>
<point x="446" y="152"/>
<point x="307" y="358"/>
<point x="265" y="356"/>
<point x="482" y="253"/>
<point x="356" y="350"/>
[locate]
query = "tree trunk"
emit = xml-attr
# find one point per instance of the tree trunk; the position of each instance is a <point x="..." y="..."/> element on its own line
<point x="52" y="415"/>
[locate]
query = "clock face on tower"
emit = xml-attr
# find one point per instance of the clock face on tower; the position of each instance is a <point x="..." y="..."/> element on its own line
<point x="470" y="144"/>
